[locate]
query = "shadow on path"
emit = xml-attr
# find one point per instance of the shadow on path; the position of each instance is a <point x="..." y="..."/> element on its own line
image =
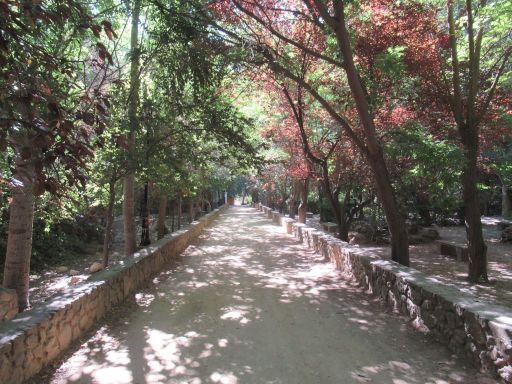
<point x="248" y="304"/>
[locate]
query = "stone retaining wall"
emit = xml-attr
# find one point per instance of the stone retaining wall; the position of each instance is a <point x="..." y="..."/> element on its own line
<point x="34" y="338"/>
<point x="481" y="332"/>
<point x="8" y="304"/>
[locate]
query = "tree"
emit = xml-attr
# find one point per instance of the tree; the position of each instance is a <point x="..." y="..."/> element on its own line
<point x="456" y="61"/>
<point x="470" y="97"/>
<point x="133" y="102"/>
<point x="315" y="24"/>
<point x="47" y="117"/>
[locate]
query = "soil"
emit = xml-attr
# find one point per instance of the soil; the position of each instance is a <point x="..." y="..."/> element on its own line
<point x="426" y="258"/>
<point x="249" y="304"/>
<point x="45" y="284"/>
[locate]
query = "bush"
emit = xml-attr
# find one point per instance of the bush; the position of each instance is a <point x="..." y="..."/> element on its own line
<point x="55" y="244"/>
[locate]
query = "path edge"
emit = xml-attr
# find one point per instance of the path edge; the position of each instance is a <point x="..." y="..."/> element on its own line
<point x="37" y="337"/>
<point x="475" y="330"/>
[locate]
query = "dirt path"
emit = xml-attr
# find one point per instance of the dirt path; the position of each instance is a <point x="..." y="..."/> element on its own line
<point x="247" y="304"/>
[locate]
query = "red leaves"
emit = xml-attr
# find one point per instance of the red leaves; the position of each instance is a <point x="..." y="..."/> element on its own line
<point x="103" y="53"/>
<point x="109" y="31"/>
<point x="391" y="24"/>
<point x="96" y="30"/>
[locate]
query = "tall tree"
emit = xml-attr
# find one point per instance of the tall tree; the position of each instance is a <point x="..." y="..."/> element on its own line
<point x="49" y="113"/>
<point x="315" y="24"/>
<point x="471" y="95"/>
<point x="133" y="102"/>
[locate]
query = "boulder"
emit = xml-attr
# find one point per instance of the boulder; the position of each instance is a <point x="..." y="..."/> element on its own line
<point x="62" y="269"/>
<point x="95" y="267"/>
<point x="506" y="235"/>
<point x="74" y="280"/>
<point x="73" y="272"/>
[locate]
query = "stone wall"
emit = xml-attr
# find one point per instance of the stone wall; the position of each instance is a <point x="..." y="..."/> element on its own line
<point x="8" y="304"/>
<point x="481" y="332"/>
<point x="36" y="337"/>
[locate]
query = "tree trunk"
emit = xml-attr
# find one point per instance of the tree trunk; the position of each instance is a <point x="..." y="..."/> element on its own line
<point x="144" y="217"/>
<point x="423" y="202"/>
<point x="374" y="153"/>
<point x="303" y="207"/>
<point x="191" y="210"/>
<point x="19" y="239"/>
<point x="345" y="220"/>
<point x="292" y="205"/>
<point x="129" y="229"/>
<point x="506" y="201"/>
<point x="129" y="181"/>
<point x="476" y="244"/>
<point x="162" y="215"/>
<point x="180" y="210"/>
<point x="333" y="200"/>
<point x="396" y="222"/>
<point x="110" y="220"/>
<point x="173" y="213"/>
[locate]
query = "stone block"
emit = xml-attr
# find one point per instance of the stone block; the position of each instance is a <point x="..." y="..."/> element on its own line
<point x="8" y="304"/>
<point x="65" y="336"/>
<point x="459" y="337"/>
<point x="68" y="318"/>
<point x="6" y="368"/>
<point x="287" y="224"/>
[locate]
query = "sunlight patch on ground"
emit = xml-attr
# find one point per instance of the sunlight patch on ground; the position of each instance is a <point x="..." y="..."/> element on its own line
<point x="103" y="359"/>
<point x="240" y="313"/>
<point x="144" y="299"/>
<point x="163" y="355"/>
<point x="224" y="378"/>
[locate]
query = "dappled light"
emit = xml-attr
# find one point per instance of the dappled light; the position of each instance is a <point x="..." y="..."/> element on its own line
<point x="357" y="153"/>
<point x="247" y="303"/>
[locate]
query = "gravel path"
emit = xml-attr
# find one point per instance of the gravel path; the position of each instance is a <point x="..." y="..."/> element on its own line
<point x="247" y="304"/>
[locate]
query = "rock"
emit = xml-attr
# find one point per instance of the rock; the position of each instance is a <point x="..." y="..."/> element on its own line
<point x="74" y="280"/>
<point x="429" y="234"/>
<point x="358" y="238"/>
<point x="506" y="373"/>
<point x="73" y="272"/>
<point x="506" y="235"/>
<point x="62" y="269"/>
<point x="64" y="336"/>
<point x="95" y="267"/>
<point x="7" y="295"/>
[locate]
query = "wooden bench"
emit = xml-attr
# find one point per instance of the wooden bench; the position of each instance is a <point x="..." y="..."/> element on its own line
<point x="458" y="251"/>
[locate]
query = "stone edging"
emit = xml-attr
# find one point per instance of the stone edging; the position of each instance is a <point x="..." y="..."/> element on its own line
<point x="34" y="338"/>
<point x="481" y="332"/>
<point x="8" y="304"/>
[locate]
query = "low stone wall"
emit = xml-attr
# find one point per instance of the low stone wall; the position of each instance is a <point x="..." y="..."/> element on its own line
<point x="481" y="332"/>
<point x="8" y="304"/>
<point x="34" y="338"/>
